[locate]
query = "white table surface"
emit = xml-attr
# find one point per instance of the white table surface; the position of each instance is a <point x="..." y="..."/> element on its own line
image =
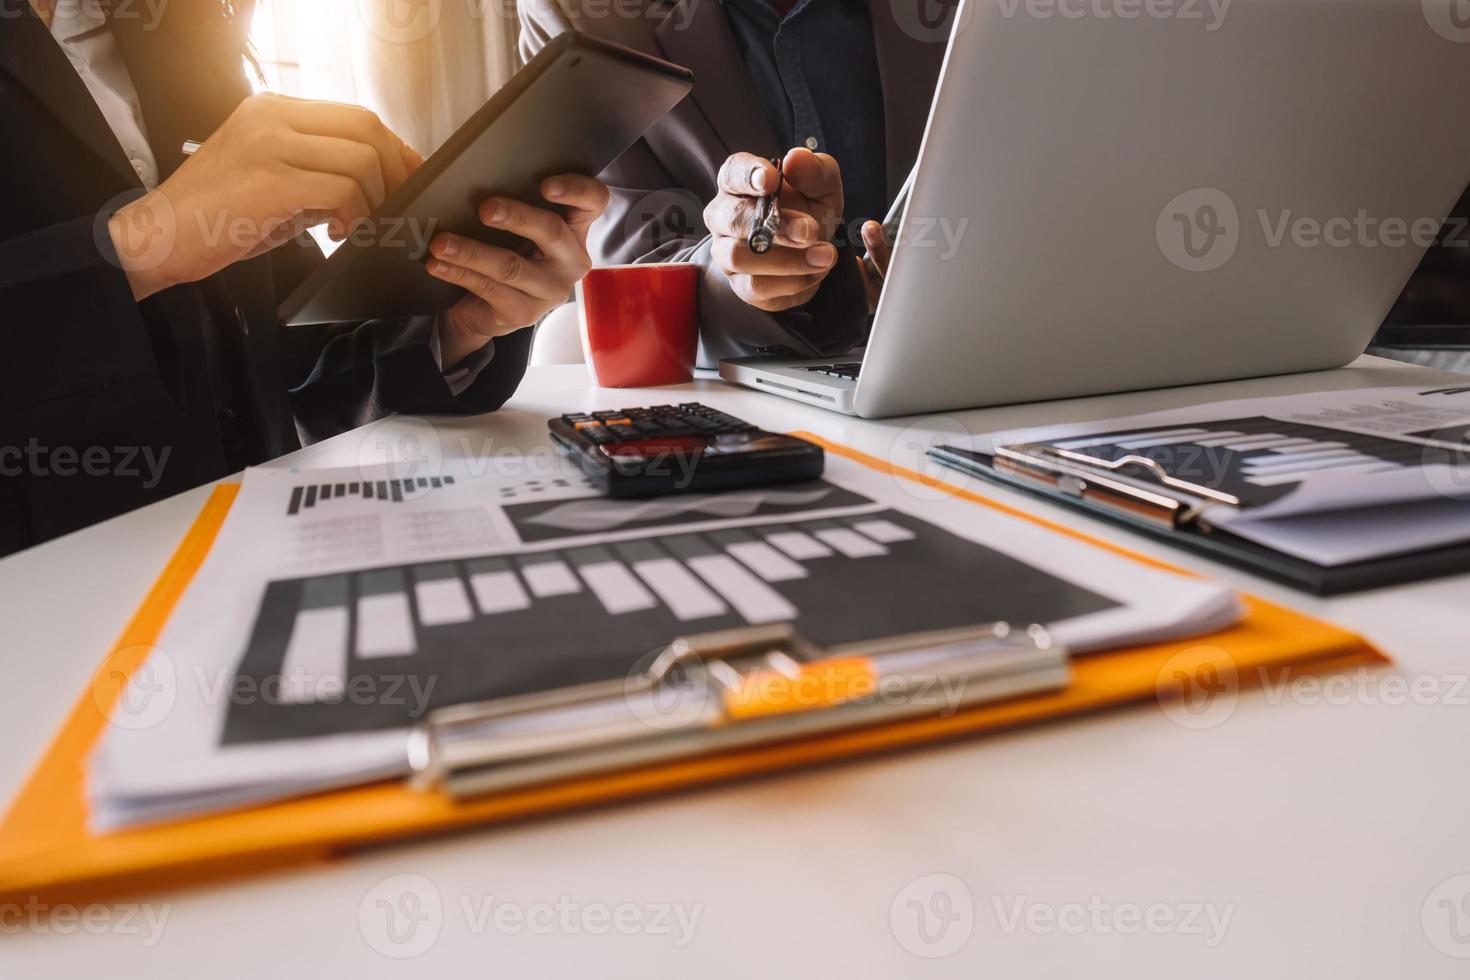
<point x="1329" y="828"/>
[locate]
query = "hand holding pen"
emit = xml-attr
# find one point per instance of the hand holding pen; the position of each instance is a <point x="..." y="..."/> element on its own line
<point x="771" y="226"/>
<point x="276" y="163"/>
<point x="768" y="217"/>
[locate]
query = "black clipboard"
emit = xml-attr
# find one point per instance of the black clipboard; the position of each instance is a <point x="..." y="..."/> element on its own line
<point x="1223" y="547"/>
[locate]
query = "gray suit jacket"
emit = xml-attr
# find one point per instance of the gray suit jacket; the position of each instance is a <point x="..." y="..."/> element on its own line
<point x="661" y="186"/>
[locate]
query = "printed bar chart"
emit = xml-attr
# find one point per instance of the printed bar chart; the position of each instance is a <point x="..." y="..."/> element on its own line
<point x="500" y="626"/>
<point x="1258" y="460"/>
<point x="304" y="498"/>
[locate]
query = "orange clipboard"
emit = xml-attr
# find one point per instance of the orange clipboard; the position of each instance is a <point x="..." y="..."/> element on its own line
<point x="47" y="851"/>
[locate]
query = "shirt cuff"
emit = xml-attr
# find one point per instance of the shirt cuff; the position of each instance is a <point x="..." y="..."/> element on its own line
<point x="460" y="376"/>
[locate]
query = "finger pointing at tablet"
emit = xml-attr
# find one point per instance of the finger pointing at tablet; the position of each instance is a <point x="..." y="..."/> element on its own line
<point x="508" y="289"/>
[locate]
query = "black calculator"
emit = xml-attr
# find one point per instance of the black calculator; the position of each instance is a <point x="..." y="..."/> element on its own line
<point x="650" y="452"/>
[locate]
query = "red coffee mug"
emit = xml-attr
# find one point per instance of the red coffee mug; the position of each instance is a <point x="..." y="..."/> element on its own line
<point x="640" y="324"/>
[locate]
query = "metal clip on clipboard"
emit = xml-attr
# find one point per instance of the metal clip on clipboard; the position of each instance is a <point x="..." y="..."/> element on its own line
<point x="722" y="691"/>
<point x="1161" y="498"/>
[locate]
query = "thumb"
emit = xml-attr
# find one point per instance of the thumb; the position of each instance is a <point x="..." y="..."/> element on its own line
<point x="582" y="200"/>
<point x="816" y="176"/>
<point x="412" y="159"/>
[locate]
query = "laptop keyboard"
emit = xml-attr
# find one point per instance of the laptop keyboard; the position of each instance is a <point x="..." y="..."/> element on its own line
<point x="847" y="370"/>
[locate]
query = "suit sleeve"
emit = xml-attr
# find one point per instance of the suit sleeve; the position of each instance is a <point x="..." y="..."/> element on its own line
<point x="345" y="375"/>
<point x="78" y="355"/>
<point x="652" y="219"/>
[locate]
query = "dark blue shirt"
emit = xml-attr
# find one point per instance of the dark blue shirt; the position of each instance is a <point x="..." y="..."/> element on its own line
<point x="816" y="74"/>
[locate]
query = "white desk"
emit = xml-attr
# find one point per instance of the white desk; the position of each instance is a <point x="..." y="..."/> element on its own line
<point x="1320" y="825"/>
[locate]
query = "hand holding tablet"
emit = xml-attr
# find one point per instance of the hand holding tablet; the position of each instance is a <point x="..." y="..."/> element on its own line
<point x="511" y="289"/>
<point x="573" y="110"/>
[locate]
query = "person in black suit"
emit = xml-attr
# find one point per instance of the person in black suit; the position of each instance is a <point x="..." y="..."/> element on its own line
<point x="139" y="352"/>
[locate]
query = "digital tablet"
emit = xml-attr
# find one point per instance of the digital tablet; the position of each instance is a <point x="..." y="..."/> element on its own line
<point x="574" y="109"/>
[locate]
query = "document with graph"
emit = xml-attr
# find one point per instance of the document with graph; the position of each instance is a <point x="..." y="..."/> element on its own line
<point x="338" y="607"/>
<point x="1329" y="477"/>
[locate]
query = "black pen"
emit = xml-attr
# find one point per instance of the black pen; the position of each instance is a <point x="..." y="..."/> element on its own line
<point x="768" y="218"/>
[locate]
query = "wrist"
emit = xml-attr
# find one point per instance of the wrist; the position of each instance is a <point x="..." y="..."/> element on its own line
<point x="457" y="339"/>
<point x="144" y="238"/>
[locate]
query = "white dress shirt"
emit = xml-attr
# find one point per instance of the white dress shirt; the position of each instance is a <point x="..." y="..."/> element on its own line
<point x="80" y="27"/>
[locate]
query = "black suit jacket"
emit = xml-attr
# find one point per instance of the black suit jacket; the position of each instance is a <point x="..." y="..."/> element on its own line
<point x="95" y="388"/>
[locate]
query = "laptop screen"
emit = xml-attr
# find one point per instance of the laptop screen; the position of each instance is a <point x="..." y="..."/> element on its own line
<point x="1434" y="308"/>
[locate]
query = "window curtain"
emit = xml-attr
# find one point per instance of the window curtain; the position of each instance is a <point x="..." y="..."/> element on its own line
<point x="423" y="65"/>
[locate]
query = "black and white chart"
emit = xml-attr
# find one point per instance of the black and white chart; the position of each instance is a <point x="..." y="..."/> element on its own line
<point x="308" y="645"/>
<point x="1256" y="460"/>
<point x="500" y="626"/>
<point x="307" y="496"/>
<point x="1332" y="478"/>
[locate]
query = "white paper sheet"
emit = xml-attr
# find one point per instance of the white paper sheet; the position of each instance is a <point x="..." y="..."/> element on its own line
<point x="155" y="764"/>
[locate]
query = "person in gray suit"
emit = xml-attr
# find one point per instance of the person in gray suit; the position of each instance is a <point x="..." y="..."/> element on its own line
<point x="837" y="90"/>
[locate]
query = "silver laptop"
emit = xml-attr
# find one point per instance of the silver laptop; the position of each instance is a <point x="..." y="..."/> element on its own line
<point x="1108" y="203"/>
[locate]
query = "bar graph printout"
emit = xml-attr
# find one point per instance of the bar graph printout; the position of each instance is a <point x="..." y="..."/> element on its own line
<point x="313" y="638"/>
<point x="1331" y="477"/>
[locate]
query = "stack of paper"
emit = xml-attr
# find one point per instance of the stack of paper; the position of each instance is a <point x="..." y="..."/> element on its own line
<point x="1329" y="477"/>
<point x="338" y="607"/>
